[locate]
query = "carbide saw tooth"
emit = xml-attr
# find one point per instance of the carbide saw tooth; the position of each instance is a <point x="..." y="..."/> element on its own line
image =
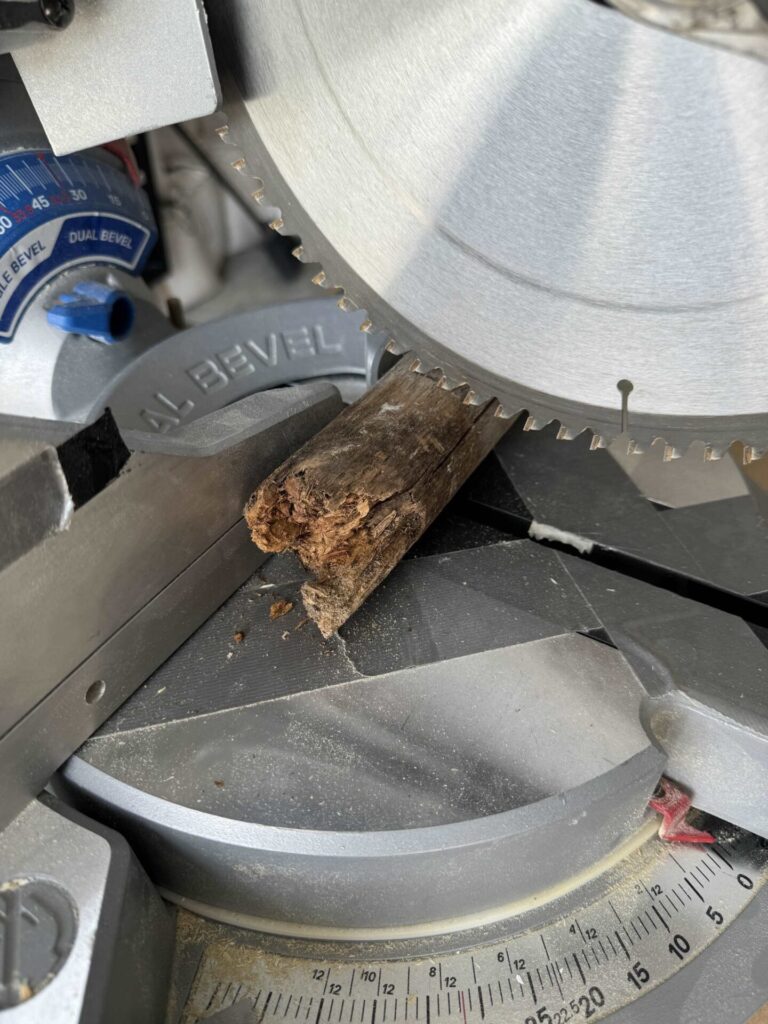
<point x="536" y="422"/>
<point x="437" y="376"/>
<point x="462" y="392"/>
<point x="346" y="304"/>
<point x="566" y="433"/>
<point x="671" y="453"/>
<point x="597" y="442"/>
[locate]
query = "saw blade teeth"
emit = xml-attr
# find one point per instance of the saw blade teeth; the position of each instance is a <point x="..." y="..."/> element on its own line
<point x="750" y="454"/>
<point x="536" y="422"/>
<point x="239" y="165"/>
<point x="223" y="132"/>
<point x="437" y="376"/>
<point x="565" y="433"/>
<point x="714" y="452"/>
<point x="464" y="393"/>
<point x="671" y="453"/>
<point x="635" y="448"/>
<point x="348" y="303"/>
<point x="512" y="399"/>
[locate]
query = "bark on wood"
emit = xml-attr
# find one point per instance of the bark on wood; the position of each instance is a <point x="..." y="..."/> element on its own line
<point x="362" y="491"/>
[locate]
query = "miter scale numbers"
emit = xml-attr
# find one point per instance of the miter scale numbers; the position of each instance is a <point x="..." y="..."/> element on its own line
<point x="580" y="967"/>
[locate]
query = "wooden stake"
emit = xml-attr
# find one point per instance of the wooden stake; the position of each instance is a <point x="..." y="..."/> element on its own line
<point x="354" y="499"/>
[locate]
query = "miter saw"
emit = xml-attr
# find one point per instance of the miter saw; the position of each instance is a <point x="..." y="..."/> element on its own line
<point x="526" y="783"/>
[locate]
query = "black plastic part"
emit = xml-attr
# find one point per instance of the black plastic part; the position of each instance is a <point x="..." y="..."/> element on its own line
<point x="761" y="632"/>
<point x="600" y="635"/>
<point x="92" y="458"/>
<point x="157" y="262"/>
<point x="58" y="13"/>
<point x="53" y="14"/>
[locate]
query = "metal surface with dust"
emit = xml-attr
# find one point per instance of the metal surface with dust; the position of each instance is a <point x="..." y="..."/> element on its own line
<point x="543" y="230"/>
<point x="343" y="796"/>
<point x="265" y="772"/>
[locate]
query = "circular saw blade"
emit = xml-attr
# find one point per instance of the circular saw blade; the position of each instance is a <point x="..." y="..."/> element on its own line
<point x="562" y="207"/>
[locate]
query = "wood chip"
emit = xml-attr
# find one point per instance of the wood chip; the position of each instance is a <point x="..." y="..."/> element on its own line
<point x="279" y="608"/>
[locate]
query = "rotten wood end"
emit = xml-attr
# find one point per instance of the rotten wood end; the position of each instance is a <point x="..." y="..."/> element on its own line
<point x="354" y="499"/>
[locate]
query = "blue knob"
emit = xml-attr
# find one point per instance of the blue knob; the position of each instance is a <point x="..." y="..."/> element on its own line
<point x="96" y="310"/>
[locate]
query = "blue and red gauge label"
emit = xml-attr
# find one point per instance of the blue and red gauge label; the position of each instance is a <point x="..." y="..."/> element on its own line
<point x="62" y="212"/>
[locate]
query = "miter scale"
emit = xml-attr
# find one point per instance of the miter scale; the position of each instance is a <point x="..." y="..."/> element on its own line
<point x="591" y="961"/>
